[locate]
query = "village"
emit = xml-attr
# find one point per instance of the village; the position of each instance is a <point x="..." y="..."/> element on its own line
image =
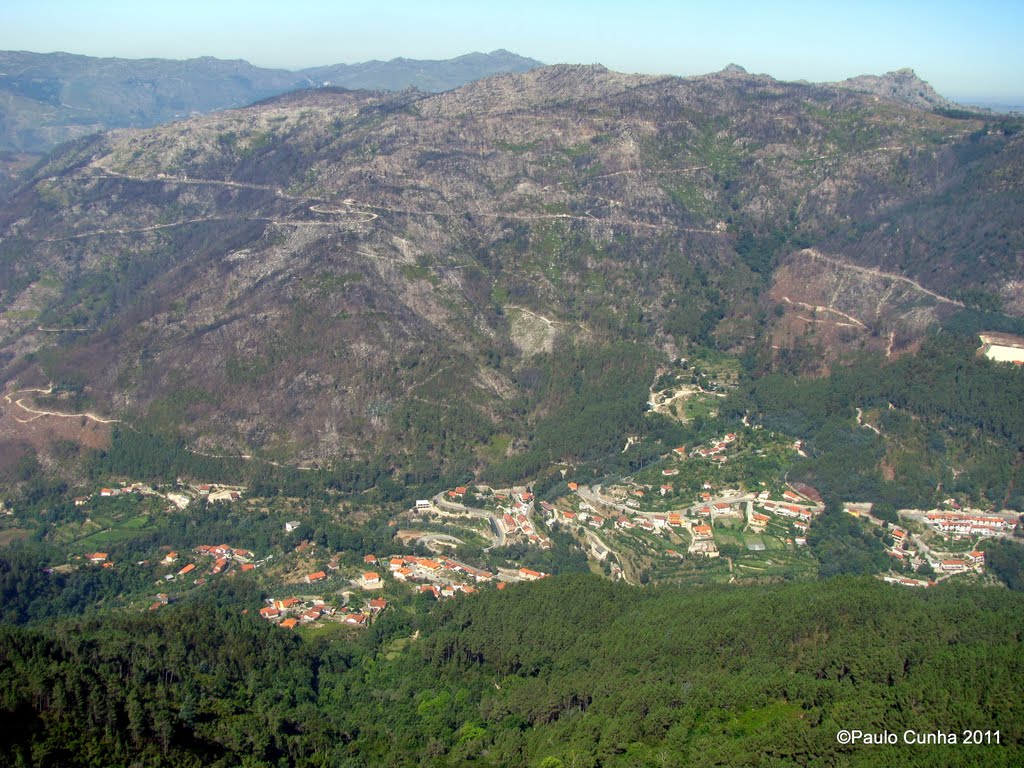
<point x="711" y="512"/>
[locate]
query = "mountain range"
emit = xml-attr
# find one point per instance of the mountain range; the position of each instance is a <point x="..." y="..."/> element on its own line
<point x="332" y="273"/>
<point x="49" y="98"/>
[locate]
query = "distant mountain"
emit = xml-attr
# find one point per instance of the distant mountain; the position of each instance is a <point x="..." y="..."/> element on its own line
<point x="49" y="98"/>
<point x="430" y="76"/>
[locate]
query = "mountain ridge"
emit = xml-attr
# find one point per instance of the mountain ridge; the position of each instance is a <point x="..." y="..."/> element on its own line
<point x="48" y="98"/>
<point x="333" y="272"/>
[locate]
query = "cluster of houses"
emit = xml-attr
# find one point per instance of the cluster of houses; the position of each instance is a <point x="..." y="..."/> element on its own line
<point x="211" y="491"/>
<point x="714" y="452"/>
<point x="289" y="612"/>
<point x="902" y="547"/>
<point x="439" y="574"/>
<point x="514" y="512"/>
<point x="444" y="577"/>
<point x="224" y="557"/>
<point x="162" y="599"/>
<point x="968" y="523"/>
<point x="971" y="561"/>
<point x="905" y="549"/>
<point x="517" y="523"/>
<point x="133" y="488"/>
<point x="215" y="492"/>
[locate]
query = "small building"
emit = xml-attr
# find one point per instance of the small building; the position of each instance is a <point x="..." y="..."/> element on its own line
<point x="702" y="531"/>
<point x="531" y="575"/>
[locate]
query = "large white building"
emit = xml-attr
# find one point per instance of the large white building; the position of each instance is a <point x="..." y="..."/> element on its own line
<point x="1002" y="347"/>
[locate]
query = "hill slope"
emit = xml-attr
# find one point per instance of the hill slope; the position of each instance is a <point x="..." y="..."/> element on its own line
<point x="331" y="272"/>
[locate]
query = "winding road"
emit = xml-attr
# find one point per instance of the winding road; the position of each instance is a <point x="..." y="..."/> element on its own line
<point x="10" y="399"/>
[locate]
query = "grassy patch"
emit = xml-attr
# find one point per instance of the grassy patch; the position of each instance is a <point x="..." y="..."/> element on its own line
<point x="413" y="272"/>
<point x="13" y="534"/>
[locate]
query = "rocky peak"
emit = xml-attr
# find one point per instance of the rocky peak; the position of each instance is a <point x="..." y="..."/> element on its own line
<point x="733" y="69"/>
<point x="903" y="85"/>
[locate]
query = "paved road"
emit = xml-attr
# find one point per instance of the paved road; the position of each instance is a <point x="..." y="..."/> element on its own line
<point x="497" y="527"/>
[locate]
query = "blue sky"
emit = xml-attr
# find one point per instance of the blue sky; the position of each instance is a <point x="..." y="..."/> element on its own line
<point x="962" y="48"/>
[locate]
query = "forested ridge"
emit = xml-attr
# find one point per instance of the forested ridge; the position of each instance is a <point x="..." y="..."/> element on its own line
<point x="568" y="671"/>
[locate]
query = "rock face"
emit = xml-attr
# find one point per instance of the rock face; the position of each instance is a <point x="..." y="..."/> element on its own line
<point x="903" y="85"/>
<point x="329" y="272"/>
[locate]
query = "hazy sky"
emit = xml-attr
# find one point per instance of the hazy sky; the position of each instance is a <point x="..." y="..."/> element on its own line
<point x="961" y="48"/>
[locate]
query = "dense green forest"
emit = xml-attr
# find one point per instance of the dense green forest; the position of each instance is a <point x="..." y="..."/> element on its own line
<point x="572" y="671"/>
<point x="942" y="409"/>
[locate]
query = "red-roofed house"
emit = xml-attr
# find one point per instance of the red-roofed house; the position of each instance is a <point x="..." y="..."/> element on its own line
<point x="318" y="576"/>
